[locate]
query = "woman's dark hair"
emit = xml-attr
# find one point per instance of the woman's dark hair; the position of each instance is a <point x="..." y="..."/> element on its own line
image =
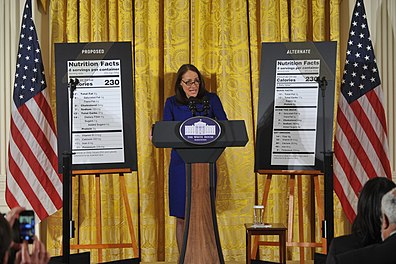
<point x="5" y="235"/>
<point x="367" y="224"/>
<point x="180" y="94"/>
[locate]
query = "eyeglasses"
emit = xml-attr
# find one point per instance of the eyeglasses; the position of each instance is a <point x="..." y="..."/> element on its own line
<point x="189" y="83"/>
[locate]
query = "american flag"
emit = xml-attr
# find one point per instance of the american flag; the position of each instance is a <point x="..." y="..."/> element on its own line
<point x="32" y="179"/>
<point x="361" y="142"/>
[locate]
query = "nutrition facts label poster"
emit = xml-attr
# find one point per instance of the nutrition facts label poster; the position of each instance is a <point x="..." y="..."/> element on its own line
<point x="102" y="105"/>
<point x="294" y="108"/>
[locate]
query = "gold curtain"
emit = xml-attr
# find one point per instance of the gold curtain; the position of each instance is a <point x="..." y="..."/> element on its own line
<point x="223" y="39"/>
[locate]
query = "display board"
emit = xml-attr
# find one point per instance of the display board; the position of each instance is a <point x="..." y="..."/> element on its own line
<point x="102" y="105"/>
<point x="295" y="117"/>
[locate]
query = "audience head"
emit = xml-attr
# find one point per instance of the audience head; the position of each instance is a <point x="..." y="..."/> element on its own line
<point x="5" y="239"/>
<point x="181" y="96"/>
<point x="388" y="207"/>
<point x="367" y="224"/>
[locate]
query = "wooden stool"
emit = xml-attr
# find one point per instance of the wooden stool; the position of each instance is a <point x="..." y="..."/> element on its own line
<point x="301" y="243"/>
<point x="274" y="229"/>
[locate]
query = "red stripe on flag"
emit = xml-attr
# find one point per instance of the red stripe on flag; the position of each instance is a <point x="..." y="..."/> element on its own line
<point x="46" y="109"/>
<point x="36" y="131"/>
<point x="367" y="126"/>
<point x="347" y="167"/>
<point x="10" y="198"/>
<point x="35" y="166"/>
<point x="378" y="108"/>
<point x="355" y="143"/>
<point x="25" y="187"/>
<point x="346" y="205"/>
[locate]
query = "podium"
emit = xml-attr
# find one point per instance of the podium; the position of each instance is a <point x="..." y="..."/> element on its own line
<point x="201" y="242"/>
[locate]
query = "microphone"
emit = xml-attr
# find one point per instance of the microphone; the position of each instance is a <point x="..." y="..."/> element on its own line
<point x="73" y="85"/>
<point x="192" y="105"/>
<point x="74" y="82"/>
<point x="206" y="105"/>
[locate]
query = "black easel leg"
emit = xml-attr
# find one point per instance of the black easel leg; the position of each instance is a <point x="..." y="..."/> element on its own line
<point x="328" y="199"/>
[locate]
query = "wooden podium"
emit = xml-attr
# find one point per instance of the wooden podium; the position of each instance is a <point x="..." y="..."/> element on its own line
<point x="201" y="243"/>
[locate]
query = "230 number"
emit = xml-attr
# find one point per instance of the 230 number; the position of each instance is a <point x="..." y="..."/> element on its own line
<point x="310" y="78"/>
<point x="112" y="82"/>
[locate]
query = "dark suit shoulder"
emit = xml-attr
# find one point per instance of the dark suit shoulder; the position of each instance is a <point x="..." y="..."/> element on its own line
<point x="345" y="243"/>
<point x="341" y="245"/>
<point x="381" y="253"/>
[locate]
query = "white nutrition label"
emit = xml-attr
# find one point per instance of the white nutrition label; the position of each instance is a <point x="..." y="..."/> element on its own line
<point x="295" y="112"/>
<point x="97" y="112"/>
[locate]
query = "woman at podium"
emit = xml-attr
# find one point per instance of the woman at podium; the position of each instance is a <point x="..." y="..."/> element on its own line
<point x="190" y="99"/>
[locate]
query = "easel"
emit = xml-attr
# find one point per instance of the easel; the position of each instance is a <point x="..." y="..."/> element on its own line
<point x="99" y="245"/>
<point x="301" y="244"/>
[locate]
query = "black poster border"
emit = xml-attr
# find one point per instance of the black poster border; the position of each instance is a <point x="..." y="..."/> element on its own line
<point x="271" y="52"/>
<point x="122" y="51"/>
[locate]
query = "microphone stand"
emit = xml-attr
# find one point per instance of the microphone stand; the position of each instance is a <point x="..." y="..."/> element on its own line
<point x="328" y="223"/>
<point x="206" y="105"/>
<point x="192" y="106"/>
<point x="67" y="222"/>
